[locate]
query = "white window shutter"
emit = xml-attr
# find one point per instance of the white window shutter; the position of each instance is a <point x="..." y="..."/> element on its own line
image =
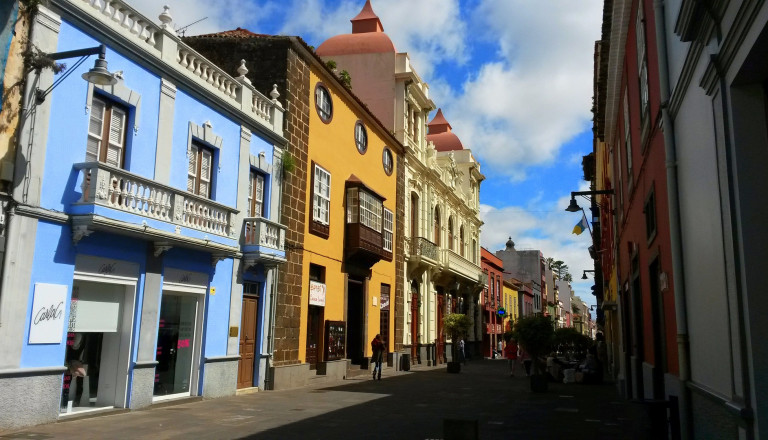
<point x="205" y="173"/>
<point x="192" y="169"/>
<point x="95" y="128"/>
<point x="116" y="137"/>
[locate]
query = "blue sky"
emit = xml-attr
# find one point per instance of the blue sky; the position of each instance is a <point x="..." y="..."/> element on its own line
<point x="513" y="77"/>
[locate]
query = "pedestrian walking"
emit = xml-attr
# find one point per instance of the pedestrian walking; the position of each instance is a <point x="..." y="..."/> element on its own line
<point x="377" y="347"/>
<point x="462" y="355"/>
<point x="500" y="349"/>
<point x="510" y="352"/>
<point x="526" y="358"/>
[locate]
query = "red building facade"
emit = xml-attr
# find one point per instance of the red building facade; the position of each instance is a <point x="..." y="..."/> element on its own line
<point x="491" y="301"/>
<point x="635" y="251"/>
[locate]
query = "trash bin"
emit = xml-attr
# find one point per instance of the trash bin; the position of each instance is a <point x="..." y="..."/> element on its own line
<point x="405" y="362"/>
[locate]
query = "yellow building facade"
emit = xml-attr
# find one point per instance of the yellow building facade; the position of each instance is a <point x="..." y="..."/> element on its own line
<point x="349" y="271"/>
<point x="511" y="305"/>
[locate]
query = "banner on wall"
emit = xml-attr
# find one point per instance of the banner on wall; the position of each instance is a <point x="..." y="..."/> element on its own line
<point x="316" y="294"/>
<point x="48" y="310"/>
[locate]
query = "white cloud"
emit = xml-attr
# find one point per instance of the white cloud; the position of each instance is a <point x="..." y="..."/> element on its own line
<point x="225" y="15"/>
<point x="545" y="226"/>
<point x="521" y="108"/>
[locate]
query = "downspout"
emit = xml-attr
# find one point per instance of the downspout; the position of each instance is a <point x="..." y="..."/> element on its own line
<point x="681" y="317"/>
<point x="269" y="374"/>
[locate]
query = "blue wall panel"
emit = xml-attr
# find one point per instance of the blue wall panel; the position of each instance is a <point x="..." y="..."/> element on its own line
<point x="68" y="129"/>
<point x="224" y="176"/>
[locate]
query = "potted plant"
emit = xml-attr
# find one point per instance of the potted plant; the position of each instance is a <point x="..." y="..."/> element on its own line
<point x="535" y="334"/>
<point x="455" y="326"/>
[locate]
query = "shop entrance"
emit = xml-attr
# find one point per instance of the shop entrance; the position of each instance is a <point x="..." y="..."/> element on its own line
<point x="355" y="321"/>
<point x="176" y="345"/>
<point x="98" y="347"/>
<point x="314" y="335"/>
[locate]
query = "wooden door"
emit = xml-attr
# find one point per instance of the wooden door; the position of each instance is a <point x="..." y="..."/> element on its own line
<point x="414" y="324"/>
<point x="440" y="337"/>
<point x="314" y="335"/>
<point x="247" y="342"/>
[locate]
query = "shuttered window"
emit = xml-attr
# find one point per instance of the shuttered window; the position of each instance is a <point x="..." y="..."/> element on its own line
<point x="321" y="196"/>
<point x="256" y="194"/>
<point x="199" y="171"/>
<point x="388" y="228"/>
<point x="106" y="133"/>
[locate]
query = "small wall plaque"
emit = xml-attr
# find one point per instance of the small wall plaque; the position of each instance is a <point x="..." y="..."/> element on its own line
<point x="233" y="331"/>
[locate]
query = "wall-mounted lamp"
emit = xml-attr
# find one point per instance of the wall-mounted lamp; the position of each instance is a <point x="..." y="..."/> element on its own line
<point x="98" y="75"/>
<point x="584" y="275"/>
<point x="574" y="207"/>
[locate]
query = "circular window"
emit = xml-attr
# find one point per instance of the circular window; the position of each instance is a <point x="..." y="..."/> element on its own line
<point x="361" y="137"/>
<point x="386" y="160"/>
<point x="323" y="103"/>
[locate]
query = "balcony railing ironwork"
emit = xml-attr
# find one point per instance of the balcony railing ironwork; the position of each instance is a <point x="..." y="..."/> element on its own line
<point x="420" y="246"/>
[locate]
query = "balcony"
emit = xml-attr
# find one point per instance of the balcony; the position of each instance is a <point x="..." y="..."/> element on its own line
<point x="422" y="254"/>
<point x="458" y="265"/>
<point x="263" y="241"/>
<point x="365" y="245"/>
<point x="162" y="210"/>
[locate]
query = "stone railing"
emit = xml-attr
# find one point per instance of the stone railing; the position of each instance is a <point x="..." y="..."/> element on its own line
<point x="422" y="247"/>
<point x="132" y="23"/>
<point x="121" y="190"/>
<point x="258" y="231"/>
<point x="161" y="43"/>
<point x="461" y="265"/>
<point x="206" y="71"/>
<point x="483" y="279"/>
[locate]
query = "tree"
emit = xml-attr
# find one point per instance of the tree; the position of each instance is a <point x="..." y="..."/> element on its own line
<point x="455" y="326"/>
<point x="535" y="333"/>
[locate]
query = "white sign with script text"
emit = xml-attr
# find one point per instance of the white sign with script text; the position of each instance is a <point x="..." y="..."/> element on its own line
<point x="316" y="294"/>
<point x="48" y="310"/>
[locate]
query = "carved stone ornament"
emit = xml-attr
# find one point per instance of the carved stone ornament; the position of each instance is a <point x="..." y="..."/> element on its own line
<point x="78" y="232"/>
<point x="161" y="248"/>
<point x="102" y="187"/>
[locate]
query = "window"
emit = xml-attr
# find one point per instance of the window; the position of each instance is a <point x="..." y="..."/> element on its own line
<point x="461" y="240"/>
<point x="437" y="226"/>
<point x="370" y="210"/>
<point x="323" y="103"/>
<point x="388" y="228"/>
<point x="199" y="173"/>
<point x="386" y="160"/>
<point x="321" y="196"/>
<point x="450" y="233"/>
<point x="474" y="251"/>
<point x="255" y="194"/>
<point x="627" y="141"/>
<point x="414" y="216"/>
<point x="106" y="133"/>
<point x="361" y="137"/>
<point x="650" y="217"/>
<point x="642" y="64"/>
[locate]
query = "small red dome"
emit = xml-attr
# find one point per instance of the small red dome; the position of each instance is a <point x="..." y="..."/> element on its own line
<point x="367" y="37"/>
<point x="440" y="134"/>
<point x="350" y="44"/>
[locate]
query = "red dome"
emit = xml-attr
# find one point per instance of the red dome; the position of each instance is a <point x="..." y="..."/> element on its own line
<point x="367" y="37"/>
<point x="350" y="44"/>
<point x="440" y="134"/>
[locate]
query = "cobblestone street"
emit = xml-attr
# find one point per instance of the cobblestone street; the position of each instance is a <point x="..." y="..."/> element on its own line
<point x="404" y="405"/>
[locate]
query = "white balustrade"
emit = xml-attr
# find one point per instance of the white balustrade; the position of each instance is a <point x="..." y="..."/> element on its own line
<point x="259" y="231"/>
<point x="121" y="190"/>
<point x="206" y="71"/>
<point x="129" y="19"/>
<point x="262" y="107"/>
<point x="461" y="265"/>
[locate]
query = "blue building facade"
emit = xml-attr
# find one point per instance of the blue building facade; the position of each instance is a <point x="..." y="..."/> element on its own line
<point x="143" y="237"/>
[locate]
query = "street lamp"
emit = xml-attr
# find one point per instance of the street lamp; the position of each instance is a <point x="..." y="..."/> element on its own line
<point x="574" y="207"/>
<point x="584" y="275"/>
<point x="98" y="75"/>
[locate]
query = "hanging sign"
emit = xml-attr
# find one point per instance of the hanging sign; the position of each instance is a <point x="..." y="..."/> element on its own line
<point x="48" y="309"/>
<point x="316" y="294"/>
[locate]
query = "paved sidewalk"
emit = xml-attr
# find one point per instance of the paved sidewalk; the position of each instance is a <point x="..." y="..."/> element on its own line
<point x="404" y="405"/>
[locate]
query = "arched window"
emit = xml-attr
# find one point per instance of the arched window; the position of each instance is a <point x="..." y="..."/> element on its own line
<point x="474" y="251"/>
<point x="414" y="215"/>
<point x="437" y="225"/>
<point x="450" y="232"/>
<point x="461" y="240"/>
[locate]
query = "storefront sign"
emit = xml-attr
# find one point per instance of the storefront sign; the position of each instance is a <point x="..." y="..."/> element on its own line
<point x="384" y="301"/>
<point x="178" y="276"/>
<point x="106" y="267"/>
<point x="48" y="310"/>
<point x="316" y="294"/>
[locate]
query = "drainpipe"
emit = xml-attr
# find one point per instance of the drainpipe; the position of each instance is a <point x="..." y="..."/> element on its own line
<point x="269" y="374"/>
<point x="681" y="317"/>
